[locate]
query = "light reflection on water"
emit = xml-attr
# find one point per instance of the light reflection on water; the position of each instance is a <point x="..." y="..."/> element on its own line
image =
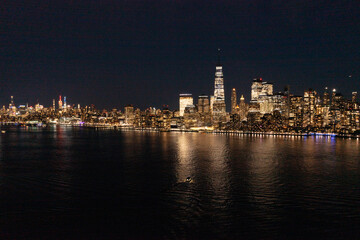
<point x="244" y="186"/>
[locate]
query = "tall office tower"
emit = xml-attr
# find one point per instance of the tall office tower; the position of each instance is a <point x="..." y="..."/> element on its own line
<point x="203" y="104"/>
<point x="309" y="107"/>
<point x="185" y="100"/>
<point x="211" y="103"/>
<point x="326" y="98"/>
<point x="353" y="97"/>
<point x="326" y="108"/>
<point x="296" y="111"/>
<point x="11" y="104"/>
<point x="260" y="88"/>
<point x="54" y="104"/>
<point x="243" y="108"/>
<point x="219" y="107"/>
<point x="233" y="101"/>
<point x="12" y="107"/>
<point x="129" y="114"/>
<point x="60" y="102"/>
<point x="65" y="102"/>
<point x="333" y="97"/>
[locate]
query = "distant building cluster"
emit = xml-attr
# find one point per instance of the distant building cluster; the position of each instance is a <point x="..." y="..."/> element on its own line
<point x="267" y="111"/>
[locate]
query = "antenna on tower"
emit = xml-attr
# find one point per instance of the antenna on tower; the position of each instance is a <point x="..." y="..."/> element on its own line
<point x="218" y="57"/>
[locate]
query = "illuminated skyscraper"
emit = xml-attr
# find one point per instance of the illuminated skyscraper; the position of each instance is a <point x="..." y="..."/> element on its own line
<point x="185" y="100"/>
<point x="53" y="104"/>
<point x="242" y="108"/>
<point x="260" y="89"/>
<point x="309" y="107"/>
<point x="219" y="107"/>
<point x="129" y="114"/>
<point x="60" y="102"/>
<point x="12" y="104"/>
<point x="353" y="97"/>
<point x="203" y="104"/>
<point x="65" y="102"/>
<point x="233" y="101"/>
<point x="326" y="108"/>
<point x="326" y="98"/>
<point x="333" y="97"/>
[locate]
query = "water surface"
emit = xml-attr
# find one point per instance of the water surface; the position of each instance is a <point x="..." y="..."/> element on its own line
<point x="76" y="183"/>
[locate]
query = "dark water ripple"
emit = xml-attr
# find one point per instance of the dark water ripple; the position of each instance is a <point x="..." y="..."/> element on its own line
<point x="66" y="183"/>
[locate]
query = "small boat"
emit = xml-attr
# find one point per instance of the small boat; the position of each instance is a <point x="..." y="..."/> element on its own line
<point x="3" y="131"/>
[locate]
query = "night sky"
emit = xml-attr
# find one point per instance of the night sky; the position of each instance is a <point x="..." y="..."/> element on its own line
<point x="113" y="53"/>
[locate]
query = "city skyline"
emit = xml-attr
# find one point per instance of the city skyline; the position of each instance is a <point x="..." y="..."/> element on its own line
<point x="101" y="54"/>
<point x="228" y="100"/>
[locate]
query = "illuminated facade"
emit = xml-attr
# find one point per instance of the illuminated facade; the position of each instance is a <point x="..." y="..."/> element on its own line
<point x="233" y="101"/>
<point x="185" y="100"/>
<point x="259" y="88"/>
<point x="218" y="106"/>
<point x="129" y="114"/>
<point x="309" y="107"/>
<point x="60" y="102"/>
<point x="203" y="104"/>
<point x="243" y="109"/>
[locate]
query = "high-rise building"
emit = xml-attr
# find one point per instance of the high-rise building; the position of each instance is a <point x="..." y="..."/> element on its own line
<point x="60" y="102"/>
<point x="296" y="111"/>
<point x="12" y="104"/>
<point x="309" y="107"/>
<point x="185" y="99"/>
<point x="233" y="101"/>
<point x="65" y="102"/>
<point x="243" y="108"/>
<point x="219" y="107"/>
<point x="203" y="104"/>
<point x="326" y="98"/>
<point x="333" y="97"/>
<point x="326" y="108"/>
<point x="129" y="114"/>
<point x="260" y="88"/>
<point x="211" y="103"/>
<point x="353" y="97"/>
<point x="53" y="104"/>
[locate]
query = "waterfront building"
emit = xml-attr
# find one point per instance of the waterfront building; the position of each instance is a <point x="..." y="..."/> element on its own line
<point x="260" y="88"/>
<point x="60" y="102"/>
<point x="325" y="112"/>
<point x="218" y="105"/>
<point x="211" y="103"/>
<point x="185" y="100"/>
<point x="129" y="114"/>
<point x="262" y="100"/>
<point x="203" y="104"/>
<point x="296" y="111"/>
<point x="309" y="107"/>
<point x="233" y="101"/>
<point x="65" y="106"/>
<point x="243" y="109"/>
<point x="353" y="97"/>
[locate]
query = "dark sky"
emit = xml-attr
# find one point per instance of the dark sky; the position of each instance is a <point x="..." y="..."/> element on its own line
<point x="112" y="53"/>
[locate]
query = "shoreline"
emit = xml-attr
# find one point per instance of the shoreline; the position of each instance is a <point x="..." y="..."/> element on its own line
<point x="203" y="131"/>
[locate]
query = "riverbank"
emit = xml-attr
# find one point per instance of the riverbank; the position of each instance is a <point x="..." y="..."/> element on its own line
<point x="198" y="130"/>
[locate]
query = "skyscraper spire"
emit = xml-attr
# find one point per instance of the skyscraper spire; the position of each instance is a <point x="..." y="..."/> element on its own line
<point x="218" y="58"/>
